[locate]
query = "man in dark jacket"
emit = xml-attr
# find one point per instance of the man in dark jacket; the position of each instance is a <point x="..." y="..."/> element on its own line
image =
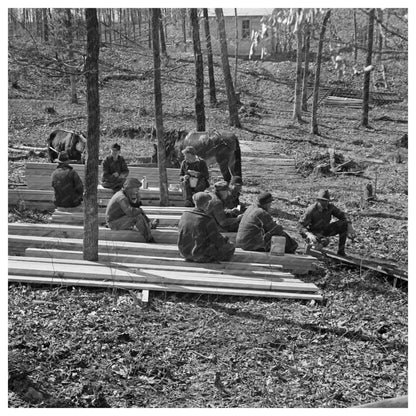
<point x="124" y="213"/>
<point x="233" y="202"/>
<point x="199" y="239"/>
<point x="194" y="174"/>
<point x="257" y="227"/>
<point x="226" y="220"/>
<point x="315" y="224"/>
<point x="67" y="184"/>
<point x="115" y="170"/>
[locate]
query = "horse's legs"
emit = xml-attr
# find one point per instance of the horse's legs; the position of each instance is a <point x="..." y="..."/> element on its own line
<point x="225" y="170"/>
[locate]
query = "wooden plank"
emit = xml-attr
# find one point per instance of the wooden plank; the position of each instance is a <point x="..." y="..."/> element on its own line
<point x="160" y="263"/>
<point x="298" y="264"/>
<point x="93" y="270"/>
<point x="154" y="259"/>
<point x="164" y="288"/>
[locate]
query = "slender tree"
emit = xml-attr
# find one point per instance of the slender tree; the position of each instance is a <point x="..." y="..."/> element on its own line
<point x="162" y="37"/>
<point x="307" y="44"/>
<point x="236" y="49"/>
<point x="70" y="45"/>
<point x="161" y="152"/>
<point x="90" y="242"/>
<point x="314" y="121"/>
<point x="367" y="74"/>
<point x="297" y="109"/>
<point x="212" y="92"/>
<point x="199" y="72"/>
<point x="232" y="100"/>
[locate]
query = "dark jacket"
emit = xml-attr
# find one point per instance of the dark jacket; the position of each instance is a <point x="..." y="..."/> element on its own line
<point x="111" y="166"/>
<point x="225" y="220"/>
<point x="199" y="239"/>
<point x="67" y="185"/>
<point x="120" y="205"/>
<point x="199" y="166"/>
<point x="256" y="229"/>
<point x="315" y="220"/>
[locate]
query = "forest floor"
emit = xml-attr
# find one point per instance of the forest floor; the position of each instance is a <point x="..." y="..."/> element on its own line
<point x="82" y="347"/>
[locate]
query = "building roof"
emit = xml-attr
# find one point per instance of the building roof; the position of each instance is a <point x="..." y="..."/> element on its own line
<point x="243" y="12"/>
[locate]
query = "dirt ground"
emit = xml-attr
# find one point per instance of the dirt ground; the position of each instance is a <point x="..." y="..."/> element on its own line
<point x="86" y="348"/>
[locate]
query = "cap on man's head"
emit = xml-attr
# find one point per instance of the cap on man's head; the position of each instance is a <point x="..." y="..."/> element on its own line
<point x="221" y="186"/>
<point x="132" y="183"/>
<point x="189" y="149"/>
<point x="323" y="194"/>
<point x="63" y="157"/>
<point x="264" y="198"/>
<point x="201" y="198"/>
<point x="236" y="180"/>
<point x="115" y="146"/>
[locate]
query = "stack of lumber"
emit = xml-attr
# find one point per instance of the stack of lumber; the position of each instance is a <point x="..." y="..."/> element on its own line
<point x="38" y="175"/>
<point x="343" y="101"/>
<point x="294" y="263"/>
<point x="158" y="274"/>
<point x="43" y="199"/>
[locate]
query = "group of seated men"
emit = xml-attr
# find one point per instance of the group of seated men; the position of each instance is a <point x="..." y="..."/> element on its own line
<point x="212" y="213"/>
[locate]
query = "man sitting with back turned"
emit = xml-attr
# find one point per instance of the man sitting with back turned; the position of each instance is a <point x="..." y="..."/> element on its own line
<point x="315" y="224"/>
<point x="115" y="170"/>
<point x="67" y="184"/>
<point x="257" y="227"/>
<point x="199" y="239"/>
<point x="124" y="212"/>
<point x="194" y="174"/>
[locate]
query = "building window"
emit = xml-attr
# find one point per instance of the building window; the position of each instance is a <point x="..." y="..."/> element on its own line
<point x="245" y="32"/>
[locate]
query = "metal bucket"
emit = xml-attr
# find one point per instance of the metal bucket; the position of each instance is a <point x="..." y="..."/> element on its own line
<point x="278" y="244"/>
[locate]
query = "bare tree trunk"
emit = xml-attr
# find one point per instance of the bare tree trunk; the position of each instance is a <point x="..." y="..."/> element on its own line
<point x="355" y="36"/>
<point x="149" y="22"/>
<point x="69" y="38"/>
<point x="232" y="101"/>
<point x="199" y="72"/>
<point x="212" y="93"/>
<point x="45" y="25"/>
<point x="367" y="74"/>
<point x="306" y="68"/>
<point x="183" y="11"/>
<point x="380" y="35"/>
<point x="314" y="122"/>
<point x="236" y="50"/>
<point x="162" y="37"/>
<point x="90" y="242"/>
<point x="297" y="113"/>
<point x="161" y="152"/>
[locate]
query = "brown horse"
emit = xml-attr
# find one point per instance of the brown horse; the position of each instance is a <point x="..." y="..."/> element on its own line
<point x="220" y="147"/>
<point x="73" y="142"/>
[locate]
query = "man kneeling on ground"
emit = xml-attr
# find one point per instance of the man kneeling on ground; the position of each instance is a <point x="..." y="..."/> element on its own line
<point x="315" y="224"/>
<point x="124" y="212"/>
<point x="199" y="239"/>
<point x="257" y="227"/>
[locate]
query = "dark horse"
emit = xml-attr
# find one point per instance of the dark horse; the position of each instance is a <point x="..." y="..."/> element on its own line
<point x="73" y="142"/>
<point x="220" y="147"/>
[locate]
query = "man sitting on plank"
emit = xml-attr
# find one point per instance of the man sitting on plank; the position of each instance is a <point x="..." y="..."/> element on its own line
<point x="115" y="170"/>
<point x="257" y="227"/>
<point x="226" y="220"/>
<point x="194" y="174"/>
<point x="315" y="224"/>
<point x="67" y="184"/>
<point x="124" y="213"/>
<point x="233" y="203"/>
<point x="199" y="239"/>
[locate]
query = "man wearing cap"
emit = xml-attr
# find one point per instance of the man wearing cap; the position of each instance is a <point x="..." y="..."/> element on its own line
<point x="124" y="213"/>
<point x="66" y="183"/>
<point x="315" y="224"/>
<point x="257" y="227"/>
<point x="226" y="220"/>
<point x="194" y="174"/>
<point x="115" y="170"/>
<point x="233" y="203"/>
<point x="199" y="238"/>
